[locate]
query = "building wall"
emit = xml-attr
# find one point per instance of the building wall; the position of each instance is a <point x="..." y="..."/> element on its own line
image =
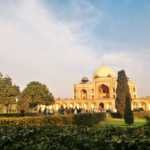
<point x="78" y="88"/>
<point x="12" y="108"/>
<point x="109" y="104"/>
<point x="94" y="92"/>
<point x="133" y="89"/>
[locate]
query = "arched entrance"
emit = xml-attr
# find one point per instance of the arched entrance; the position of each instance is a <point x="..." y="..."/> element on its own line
<point x="101" y="107"/>
<point x="104" y="91"/>
<point x="143" y="105"/>
<point x="109" y="106"/>
<point x="83" y="94"/>
<point x="135" y="105"/>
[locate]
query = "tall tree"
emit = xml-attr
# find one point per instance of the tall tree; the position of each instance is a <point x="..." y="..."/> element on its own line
<point x="8" y="91"/>
<point x="121" y="92"/>
<point x="36" y="93"/>
<point x="128" y="114"/>
<point x="123" y="98"/>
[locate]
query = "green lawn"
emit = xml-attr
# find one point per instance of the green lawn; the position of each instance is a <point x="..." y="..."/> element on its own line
<point x="120" y="122"/>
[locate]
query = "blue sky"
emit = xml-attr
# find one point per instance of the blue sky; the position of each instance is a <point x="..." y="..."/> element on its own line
<point x="123" y="21"/>
<point x="59" y="41"/>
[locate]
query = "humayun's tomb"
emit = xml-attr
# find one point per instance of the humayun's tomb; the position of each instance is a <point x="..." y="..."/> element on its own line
<point x="88" y="94"/>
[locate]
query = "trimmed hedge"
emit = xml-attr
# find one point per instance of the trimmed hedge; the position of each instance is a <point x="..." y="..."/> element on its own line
<point x="116" y="115"/>
<point x="89" y="119"/>
<point x="36" y="121"/>
<point x="74" y="138"/>
<point x="80" y="119"/>
<point x="142" y="114"/>
<point x="18" y="114"/>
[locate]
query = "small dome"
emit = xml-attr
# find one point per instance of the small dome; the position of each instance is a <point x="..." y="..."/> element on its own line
<point x="104" y="71"/>
<point x="84" y="80"/>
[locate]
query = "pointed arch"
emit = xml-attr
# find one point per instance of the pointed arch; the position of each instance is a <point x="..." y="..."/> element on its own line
<point x="83" y="94"/>
<point x="104" y="91"/>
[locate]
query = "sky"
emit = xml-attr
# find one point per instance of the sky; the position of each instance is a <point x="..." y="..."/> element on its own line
<point x="57" y="42"/>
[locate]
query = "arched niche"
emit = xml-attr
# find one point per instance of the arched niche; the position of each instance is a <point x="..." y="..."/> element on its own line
<point x="104" y="91"/>
<point x="83" y="94"/>
<point x="143" y="105"/>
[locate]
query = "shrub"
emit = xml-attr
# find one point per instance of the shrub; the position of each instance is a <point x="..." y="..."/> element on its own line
<point x="72" y="137"/>
<point x="59" y="120"/>
<point x="18" y="114"/>
<point x="116" y="115"/>
<point x="147" y="121"/>
<point x="128" y="114"/>
<point x="89" y="119"/>
<point x="37" y="120"/>
<point x="138" y="109"/>
<point x="142" y="114"/>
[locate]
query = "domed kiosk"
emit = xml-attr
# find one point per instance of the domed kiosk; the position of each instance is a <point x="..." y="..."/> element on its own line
<point x="84" y="80"/>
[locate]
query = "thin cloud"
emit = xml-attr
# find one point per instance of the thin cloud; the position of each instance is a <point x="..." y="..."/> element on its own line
<point x="36" y="45"/>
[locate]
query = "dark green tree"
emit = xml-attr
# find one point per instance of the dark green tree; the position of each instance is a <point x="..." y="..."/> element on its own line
<point x="128" y="114"/>
<point x="8" y="91"/>
<point x="36" y="93"/>
<point x="121" y="92"/>
<point x="123" y="98"/>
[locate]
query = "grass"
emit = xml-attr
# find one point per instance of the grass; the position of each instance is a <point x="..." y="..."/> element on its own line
<point x="138" y="122"/>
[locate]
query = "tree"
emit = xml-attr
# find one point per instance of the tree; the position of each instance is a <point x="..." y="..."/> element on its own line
<point x="121" y="92"/>
<point x="123" y="98"/>
<point x="36" y="93"/>
<point x="8" y="91"/>
<point x="128" y="114"/>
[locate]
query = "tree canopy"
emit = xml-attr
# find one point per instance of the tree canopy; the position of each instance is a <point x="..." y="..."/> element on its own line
<point x="37" y="93"/>
<point x="128" y="114"/>
<point x="8" y="91"/>
<point x="123" y="98"/>
<point x="121" y="92"/>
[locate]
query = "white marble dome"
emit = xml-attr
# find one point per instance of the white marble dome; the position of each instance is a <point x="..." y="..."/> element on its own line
<point x="104" y="71"/>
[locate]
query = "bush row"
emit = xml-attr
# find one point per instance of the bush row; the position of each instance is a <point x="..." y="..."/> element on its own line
<point x="18" y="114"/>
<point x="89" y="118"/>
<point x="74" y="138"/>
<point x="116" y="115"/>
<point x="142" y="114"/>
<point x="136" y="114"/>
<point x="80" y="119"/>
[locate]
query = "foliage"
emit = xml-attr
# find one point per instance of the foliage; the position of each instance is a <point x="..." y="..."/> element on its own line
<point x="18" y="114"/>
<point x="116" y="115"/>
<point x="148" y="121"/>
<point x="35" y="93"/>
<point x="30" y="119"/>
<point x="142" y="114"/>
<point x="123" y="99"/>
<point x="121" y="92"/>
<point x="139" y="109"/>
<point x="128" y="114"/>
<point x="72" y="137"/>
<point x="8" y="91"/>
<point x="89" y="119"/>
